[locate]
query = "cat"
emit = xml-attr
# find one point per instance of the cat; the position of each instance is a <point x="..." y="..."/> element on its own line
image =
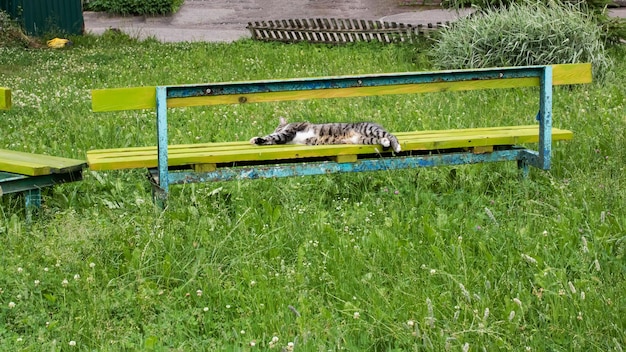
<point x="329" y="133"/>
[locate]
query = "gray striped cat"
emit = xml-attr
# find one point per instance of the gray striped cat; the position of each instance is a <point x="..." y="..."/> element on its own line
<point x="329" y="133"/>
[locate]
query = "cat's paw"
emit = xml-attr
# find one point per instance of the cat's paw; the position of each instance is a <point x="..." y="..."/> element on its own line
<point x="257" y="140"/>
<point x="385" y="142"/>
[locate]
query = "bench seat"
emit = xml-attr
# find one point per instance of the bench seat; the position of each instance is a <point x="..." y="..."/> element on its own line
<point x="225" y="154"/>
<point x="28" y="173"/>
<point x="37" y="164"/>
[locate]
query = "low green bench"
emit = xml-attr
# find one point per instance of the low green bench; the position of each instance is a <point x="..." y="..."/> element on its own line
<point x="28" y="173"/>
<point x="179" y="164"/>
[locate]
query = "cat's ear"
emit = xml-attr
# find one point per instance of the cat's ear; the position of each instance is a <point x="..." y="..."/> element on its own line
<point x="282" y="121"/>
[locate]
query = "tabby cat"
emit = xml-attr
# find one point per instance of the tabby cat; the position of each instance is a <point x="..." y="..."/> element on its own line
<point x="329" y="133"/>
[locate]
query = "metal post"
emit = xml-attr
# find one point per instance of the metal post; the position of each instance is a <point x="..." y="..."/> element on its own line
<point x="161" y="102"/>
<point x="32" y="201"/>
<point x="545" y="118"/>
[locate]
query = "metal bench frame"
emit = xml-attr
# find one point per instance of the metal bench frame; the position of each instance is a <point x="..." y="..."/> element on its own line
<point x="163" y="177"/>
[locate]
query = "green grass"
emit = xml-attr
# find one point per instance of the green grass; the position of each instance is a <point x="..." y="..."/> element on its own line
<point x="456" y="258"/>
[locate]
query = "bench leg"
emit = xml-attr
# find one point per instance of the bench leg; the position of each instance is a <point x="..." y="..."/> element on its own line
<point x="524" y="167"/>
<point x="159" y="196"/>
<point x="32" y="201"/>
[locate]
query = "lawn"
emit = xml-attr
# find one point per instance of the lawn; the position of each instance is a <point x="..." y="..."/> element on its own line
<point x="453" y="258"/>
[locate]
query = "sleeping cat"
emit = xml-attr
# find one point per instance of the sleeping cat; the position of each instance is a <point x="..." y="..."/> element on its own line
<point x="329" y="133"/>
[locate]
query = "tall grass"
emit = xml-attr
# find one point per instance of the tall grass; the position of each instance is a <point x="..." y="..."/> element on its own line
<point x="463" y="258"/>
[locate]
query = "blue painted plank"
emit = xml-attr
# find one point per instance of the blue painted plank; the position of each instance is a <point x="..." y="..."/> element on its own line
<point x="327" y="167"/>
<point x="15" y="183"/>
<point x="304" y="84"/>
<point x="545" y="120"/>
<point x="161" y="101"/>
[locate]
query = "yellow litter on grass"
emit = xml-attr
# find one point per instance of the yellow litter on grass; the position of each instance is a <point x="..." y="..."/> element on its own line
<point x="58" y="43"/>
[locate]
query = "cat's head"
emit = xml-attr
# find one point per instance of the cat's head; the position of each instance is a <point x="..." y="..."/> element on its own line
<point x="282" y="123"/>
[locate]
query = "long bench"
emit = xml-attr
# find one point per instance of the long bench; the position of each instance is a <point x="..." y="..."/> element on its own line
<point x="28" y="173"/>
<point x="179" y="164"/>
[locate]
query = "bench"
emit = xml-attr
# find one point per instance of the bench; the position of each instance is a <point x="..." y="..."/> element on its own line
<point x="204" y="162"/>
<point x="28" y="173"/>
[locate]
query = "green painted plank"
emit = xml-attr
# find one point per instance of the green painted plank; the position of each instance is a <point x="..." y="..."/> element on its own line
<point x="37" y="164"/>
<point x="145" y="97"/>
<point x="214" y="153"/>
<point x="115" y="99"/>
<point x="5" y="98"/>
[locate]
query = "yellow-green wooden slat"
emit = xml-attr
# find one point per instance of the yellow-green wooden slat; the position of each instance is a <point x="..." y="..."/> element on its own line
<point x="149" y="150"/>
<point x="213" y="153"/>
<point x="37" y="164"/>
<point x="145" y="97"/>
<point x="5" y="98"/>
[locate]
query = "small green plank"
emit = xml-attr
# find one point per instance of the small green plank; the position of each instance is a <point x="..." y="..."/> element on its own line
<point x="37" y="164"/>
<point x="216" y="153"/>
<point x="5" y="98"/>
<point x="115" y="99"/>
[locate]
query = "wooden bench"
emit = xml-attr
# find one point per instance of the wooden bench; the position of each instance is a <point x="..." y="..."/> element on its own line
<point x="28" y="173"/>
<point x="179" y="164"/>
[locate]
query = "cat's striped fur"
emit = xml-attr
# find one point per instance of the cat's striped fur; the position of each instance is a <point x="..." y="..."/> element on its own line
<point x="329" y="133"/>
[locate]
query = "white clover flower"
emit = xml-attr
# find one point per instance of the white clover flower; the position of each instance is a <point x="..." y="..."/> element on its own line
<point x="252" y="343"/>
<point x="20" y="270"/>
<point x="242" y="332"/>
<point x="571" y="287"/>
<point x="529" y="259"/>
<point x="356" y="315"/>
<point x="11" y="305"/>
<point x="275" y="339"/>
<point x="199" y="293"/>
<point x="597" y="264"/>
<point x="37" y="282"/>
<point x="72" y="343"/>
<point x="92" y="265"/>
<point x="512" y="315"/>
<point x="584" y="241"/>
<point x="206" y="309"/>
<point x="64" y="282"/>
<point x="410" y="323"/>
<point x="76" y="277"/>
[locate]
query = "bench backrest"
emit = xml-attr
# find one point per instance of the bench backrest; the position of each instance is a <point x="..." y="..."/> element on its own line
<point x="135" y="98"/>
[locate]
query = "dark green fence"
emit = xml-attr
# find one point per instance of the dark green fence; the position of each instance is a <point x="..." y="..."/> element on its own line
<point x="39" y="17"/>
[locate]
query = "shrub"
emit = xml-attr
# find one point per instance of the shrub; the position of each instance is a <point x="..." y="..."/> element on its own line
<point x="481" y="4"/>
<point x="529" y="34"/>
<point x="11" y="35"/>
<point x="135" y="7"/>
<point x="613" y="30"/>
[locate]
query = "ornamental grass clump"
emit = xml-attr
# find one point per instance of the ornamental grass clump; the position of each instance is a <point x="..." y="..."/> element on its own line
<point x="528" y="34"/>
